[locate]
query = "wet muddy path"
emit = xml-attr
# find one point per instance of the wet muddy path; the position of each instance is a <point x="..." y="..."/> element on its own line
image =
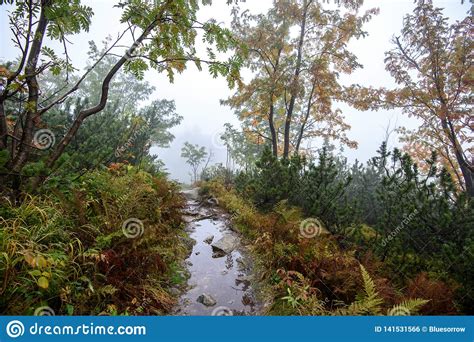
<point x="219" y="267"/>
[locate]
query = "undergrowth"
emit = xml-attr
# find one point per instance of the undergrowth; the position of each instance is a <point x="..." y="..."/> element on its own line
<point x="321" y="275"/>
<point x="67" y="250"/>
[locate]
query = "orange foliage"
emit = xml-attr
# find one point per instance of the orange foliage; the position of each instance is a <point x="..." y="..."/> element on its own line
<point x="440" y="294"/>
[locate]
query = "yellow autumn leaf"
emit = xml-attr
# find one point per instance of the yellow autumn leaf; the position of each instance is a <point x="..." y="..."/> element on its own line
<point x="41" y="262"/>
<point x="30" y="259"/>
<point x="43" y="282"/>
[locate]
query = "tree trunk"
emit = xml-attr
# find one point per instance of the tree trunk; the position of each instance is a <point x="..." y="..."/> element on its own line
<point x="21" y="157"/>
<point x="467" y="173"/>
<point x="104" y="94"/>
<point x="271" y="114"/>
<point x="84" y="114"/>
<point x="6" y="91"/>
<point x="465" y="166"/>
<point x="3" y="127"/>
<point x="308" y="112"/>
<point x="272" y="128"/>
<point x="294" y="83"/>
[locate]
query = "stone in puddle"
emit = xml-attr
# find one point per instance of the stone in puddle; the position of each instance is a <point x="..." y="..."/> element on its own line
<point x="209" y="239"/>
<point x="224" y="246"/>
<point x="241" y="265"/>
<point x="206" y="300"/>
<point x="242" y="278"/>
<point x="192" y="194"/>
<point x="218" y="254"/>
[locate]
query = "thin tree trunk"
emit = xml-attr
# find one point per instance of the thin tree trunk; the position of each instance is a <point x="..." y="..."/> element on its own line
<point x="84" y="114"/>
<point x="271" y="114"/>
<point x="5" y="93"/>
<point x="465" y="166"/>
<point x="466" y="171"/>
<point x="33" y="93"/>
<point x="272" y="128"/>
<point x="294" y="83"/>
<point x="16" y="133"/>
<point x="3" y="127"/>
<point x="61" y="146"/>
<point x="308" y="112"/>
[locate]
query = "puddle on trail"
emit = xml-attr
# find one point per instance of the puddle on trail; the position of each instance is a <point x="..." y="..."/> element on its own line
<point x="224" y="278"/>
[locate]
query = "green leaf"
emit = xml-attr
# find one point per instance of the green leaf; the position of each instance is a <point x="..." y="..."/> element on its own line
<point x="43" y="282"/>
<point x="70" y="309"/>
<point x="35" y="273"/>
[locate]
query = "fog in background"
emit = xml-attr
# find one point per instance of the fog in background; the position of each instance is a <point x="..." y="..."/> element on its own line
<point x="197" y="94"/>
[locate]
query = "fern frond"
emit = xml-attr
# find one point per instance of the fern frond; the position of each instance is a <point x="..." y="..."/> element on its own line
<point x="355" y="309"/>
<point x="369" y="285"/>
<point x="286" y="212"/>
<point x="371" y="303"/>
<point x="407" y="307"/>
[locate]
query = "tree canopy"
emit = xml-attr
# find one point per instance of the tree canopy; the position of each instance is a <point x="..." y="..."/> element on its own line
<point x="194" y="155"/>
<point x="431" y="61"/>
<point x="164" y="35"/>
<point x="291" y="97"/>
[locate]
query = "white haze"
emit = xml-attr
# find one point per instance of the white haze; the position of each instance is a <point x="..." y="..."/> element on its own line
<point x="197" y="94"/>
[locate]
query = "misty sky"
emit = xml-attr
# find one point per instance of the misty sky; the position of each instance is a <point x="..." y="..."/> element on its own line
<point x="197" y="94"/>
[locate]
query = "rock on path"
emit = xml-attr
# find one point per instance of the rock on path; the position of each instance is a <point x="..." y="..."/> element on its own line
<point x="225" y="245"/>
<point x="209" y="239"/>
<point x="206" y="300"/>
